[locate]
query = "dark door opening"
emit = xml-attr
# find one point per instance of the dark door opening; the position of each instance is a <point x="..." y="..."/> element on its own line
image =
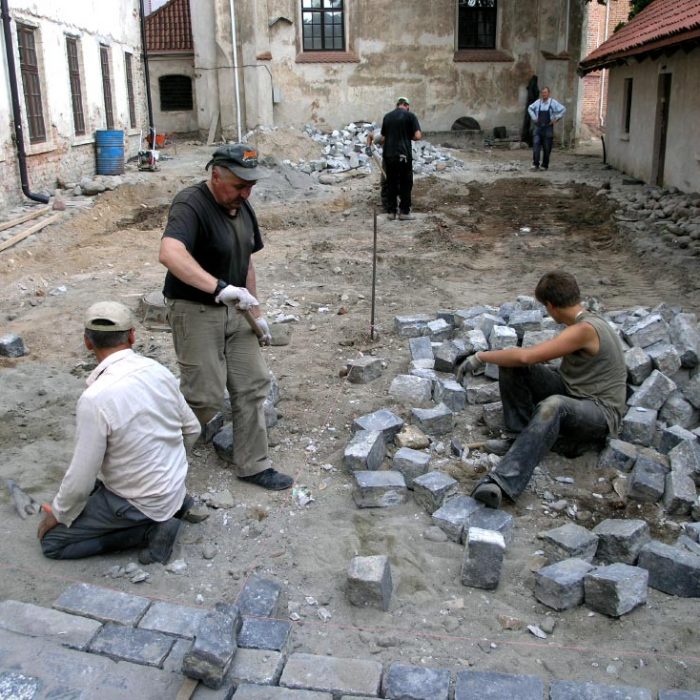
<point x="662" y="111"/>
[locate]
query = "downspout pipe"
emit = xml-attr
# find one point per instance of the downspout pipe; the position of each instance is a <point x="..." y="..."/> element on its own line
<point x="146" y="75"/>
<point x="16" y="112"/>
<point x="237" y="88"/>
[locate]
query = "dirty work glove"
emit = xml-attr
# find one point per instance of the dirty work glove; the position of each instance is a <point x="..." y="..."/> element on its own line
<point x="266" y="337"/>
<point x="472" y="364"/>
<point x="239" y="297"/>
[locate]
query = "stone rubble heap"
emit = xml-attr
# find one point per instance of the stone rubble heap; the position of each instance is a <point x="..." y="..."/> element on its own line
<point x="656" y="458"/>
<point x="346" y="149"/>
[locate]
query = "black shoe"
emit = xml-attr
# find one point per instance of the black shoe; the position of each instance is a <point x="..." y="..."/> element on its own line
<point x="187" y="503"/>
<point x="391" y="216"/>
<point x="489" y="494"/>
<point x="269" y="479"/>
<point x="161" y="540"/>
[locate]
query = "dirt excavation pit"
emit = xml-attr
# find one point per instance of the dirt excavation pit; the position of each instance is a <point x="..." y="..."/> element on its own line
<point x="478" y="238"/>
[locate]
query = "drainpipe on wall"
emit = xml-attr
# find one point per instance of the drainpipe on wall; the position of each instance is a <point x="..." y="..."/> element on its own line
<point x="147" y="78"/>
<point x="16" y="112"/>
<point x="237" y="89"/>
<point x="604" y="72"/>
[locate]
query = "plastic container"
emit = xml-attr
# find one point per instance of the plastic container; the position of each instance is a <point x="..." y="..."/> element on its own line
<point x="110" y="151"/>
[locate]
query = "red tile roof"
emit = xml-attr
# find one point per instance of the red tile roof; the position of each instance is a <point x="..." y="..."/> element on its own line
<point x="661" y="24"/>
<point x="169" y="28"/>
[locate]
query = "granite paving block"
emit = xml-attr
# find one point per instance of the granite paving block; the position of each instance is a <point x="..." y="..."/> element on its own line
<point x="264" y="633"/>
<point x="647" y="479"/>
<point x="692" y="530"/>
<point x="129" y="644"/>
<point x="439" y="330"/>
<point x="365" y="451"/>
<point x="526" y="320"/>
<point x="491" y="519"/>
<point x="677" y="411"/>
<point x="653" y="392"/>
<point x="493" y="416"/>
<point x="638" y="365"/>
<point x="369" y="582"/>
<point x="462" y="315"/>
<point x="671" y="570"/>
<point x="664" y="357"/>
<point x="452" y="515"/>
<point x="31" y="620"/>
<point x="257" y="666"/>
<point x="673" y="435"/>
<point x="446" y="355"/>
<point x="259" y="597"/>
<point x="223" y="443"/>
<point x="685" y="335"/>
<point x="574" y="690"/>
<point x="685" y="457"/>
<point x="482" y="393"/>
<point x="258" y="692"/>
<point x="362" y="370"/>
<point x="679" y="695"/>
<point x="102" y="604"/>
<point x="491" y="371"/>
<point x="483" y="558"/>
<point x="405" y="682"/>
<point x="691" y="390"/>
<point x="451" y="393"/>
<point x="169" y="618"/>
<point x="502" y="337"/>
<point x="332" y="674"/>
<point x="487" y="685"/>
<point x="412" y="326"/>
<point x="639" y="426"/>
<point x="531" y="338"/>
<point x="380" y="489"/>
<point x="17" y="686"/>
<point x="680" y="494"/>
<point x="486" y="322"/>
<point x="430" y="490"/>
<point x="412" y="390"/>
<point x="434" y="421"/>
<point x="619" y="455"/>
<point x="684" y="542"/>
<point x="386" y="422"/>
<point x="646" y="331"/>
<point x="474" y="341"/>
<point x="616" y="589"/>
<point x="12" y="345"/>
<point x="560" y="586"/>
<point x="212" y="651"/>
<point x="620" y="539"/>
<point x="421" y="348"/>
<point x="567" y="542"/>
<point x="411" y="463"/>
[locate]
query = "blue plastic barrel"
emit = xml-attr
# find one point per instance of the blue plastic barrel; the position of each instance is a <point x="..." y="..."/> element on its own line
<point x="110" y="152"/>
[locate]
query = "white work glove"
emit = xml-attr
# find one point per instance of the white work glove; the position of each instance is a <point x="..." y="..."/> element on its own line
<point x="472" y="364"/>
<point x="266" y="337"/>
<point x="239" y="297"/>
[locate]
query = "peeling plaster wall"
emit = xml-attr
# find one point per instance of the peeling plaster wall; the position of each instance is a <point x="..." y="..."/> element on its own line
<point x="179" y="121"/>
<point x="64" y="155"/>
<point x="633" y="153"/>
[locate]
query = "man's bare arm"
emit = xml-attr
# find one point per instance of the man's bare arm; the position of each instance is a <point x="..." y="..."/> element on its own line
<point x="175" y="256"/>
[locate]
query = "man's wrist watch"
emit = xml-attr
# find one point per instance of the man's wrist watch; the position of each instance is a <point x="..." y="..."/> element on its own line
<point x="220" y="286"/>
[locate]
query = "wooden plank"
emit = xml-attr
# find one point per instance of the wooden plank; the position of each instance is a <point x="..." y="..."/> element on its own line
<point x="189" y="685"/>
<point x="25" y="217"/>
<point x="28" y="232"/>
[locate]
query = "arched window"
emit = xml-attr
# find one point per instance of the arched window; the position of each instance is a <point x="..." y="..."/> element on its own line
<point x="175" y="93"/>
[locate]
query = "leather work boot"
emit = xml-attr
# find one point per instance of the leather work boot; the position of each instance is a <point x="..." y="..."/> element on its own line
<point x="269" y="479"/>
<point x="161" y="540"/>
<point x="489" y="494"/>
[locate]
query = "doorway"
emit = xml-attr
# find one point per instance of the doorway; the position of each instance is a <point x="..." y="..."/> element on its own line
<point x="662" y="111"/>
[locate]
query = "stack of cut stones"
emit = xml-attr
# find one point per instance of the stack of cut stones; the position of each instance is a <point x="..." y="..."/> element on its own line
<point x="657" y="452"/>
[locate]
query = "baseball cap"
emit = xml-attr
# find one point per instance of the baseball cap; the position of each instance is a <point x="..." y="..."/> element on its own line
<point x="240" y="158"/>
<point x="108" y="316"/>
<point x="403" y="100"/>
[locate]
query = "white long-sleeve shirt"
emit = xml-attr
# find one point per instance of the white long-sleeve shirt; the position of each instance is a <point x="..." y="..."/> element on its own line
<point x="130" y="427"/>
<point x="558" y="109"/>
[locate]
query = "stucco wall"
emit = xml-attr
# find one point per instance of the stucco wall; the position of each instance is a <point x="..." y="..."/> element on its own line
<point x="64" y="155"/>
<point x="172" y="121"/>
<point x="634" y="152"/>
<point x="395" y="49"/>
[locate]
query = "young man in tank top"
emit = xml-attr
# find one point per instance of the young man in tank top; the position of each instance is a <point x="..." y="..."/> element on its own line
<point x="579" y="403"/>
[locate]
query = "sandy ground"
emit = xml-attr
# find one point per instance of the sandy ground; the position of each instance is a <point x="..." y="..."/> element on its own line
<point x="465" y="247"/>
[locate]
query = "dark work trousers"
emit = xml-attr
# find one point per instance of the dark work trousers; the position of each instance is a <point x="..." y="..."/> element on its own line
<point x="537" y="406"/>
<point x="108" y="523"/>
<point x="542" y="143"/>
<point x="399" y="182"/>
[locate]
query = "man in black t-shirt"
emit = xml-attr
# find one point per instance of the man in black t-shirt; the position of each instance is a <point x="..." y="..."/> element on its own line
<point x="399" y="128"/>
<point x="207" y="245"/>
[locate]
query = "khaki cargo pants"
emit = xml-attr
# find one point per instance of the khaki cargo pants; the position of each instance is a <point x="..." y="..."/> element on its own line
<point x="217" y="349"/>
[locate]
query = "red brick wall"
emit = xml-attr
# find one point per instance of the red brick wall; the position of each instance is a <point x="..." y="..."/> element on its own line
<point x="595" y="85"/>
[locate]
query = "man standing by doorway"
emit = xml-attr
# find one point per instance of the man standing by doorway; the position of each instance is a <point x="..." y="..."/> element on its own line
<point x="399" y="128"/>
<point x="545" y="113"/>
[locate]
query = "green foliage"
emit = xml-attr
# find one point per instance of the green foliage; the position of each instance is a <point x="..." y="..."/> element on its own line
<point x="637" y="6"/>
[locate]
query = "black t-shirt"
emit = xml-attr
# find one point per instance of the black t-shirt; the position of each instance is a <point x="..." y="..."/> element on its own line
<point x="222" y="244"/>
<point x="398" y="129"/>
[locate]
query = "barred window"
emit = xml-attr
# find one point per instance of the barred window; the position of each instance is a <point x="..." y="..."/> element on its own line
<point x="31" y="83"/>
<point x="175" y="93"/>
<point x="323" y="24"/>
<point x="76" y="91"/>
<point x="107" y="86"/>
<point x="476" y="24"/>
<point x="130" y="89"/>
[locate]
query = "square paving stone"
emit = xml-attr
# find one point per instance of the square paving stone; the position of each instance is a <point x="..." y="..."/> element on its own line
<point x="560" y="586"/>
<point x="490" y="519"/>
<point x="332" y="674"/>
<point x="102" y="604"/>
<point x="258" y="666"/>
<point x="128" y="644"/>
<point x="169" y="618"/>
<point x="259" y="597"/>
<point x="257" y="633"/>
<point x="430" y="490"/>
<point x="679" y="695"/>
<point x="369" y="582"/>
<point x="620" y="539"/>
<point x="484" y="685"/>
<point x="406" y="682"/>
<point x="379" y="489"/>
<point x="573" y="690"/>
<point x="259" y="692"/>
<point x="17" y="686"/>
<point x="72" y="631"/>
<point x="671" y="570"/>
<point x="569" y="541"/>
<point x="451" y="516"/>
<point x="616" y="589"/>
<point x="386" y="422"/>
<point x="411" y="463"/>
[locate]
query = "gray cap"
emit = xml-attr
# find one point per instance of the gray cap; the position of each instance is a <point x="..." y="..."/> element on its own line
<point x="108" y="316"/>
<point x="240" y="158"/>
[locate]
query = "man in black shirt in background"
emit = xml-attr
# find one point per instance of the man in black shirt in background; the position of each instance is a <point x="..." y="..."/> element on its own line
<point x="399" y="128"/>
